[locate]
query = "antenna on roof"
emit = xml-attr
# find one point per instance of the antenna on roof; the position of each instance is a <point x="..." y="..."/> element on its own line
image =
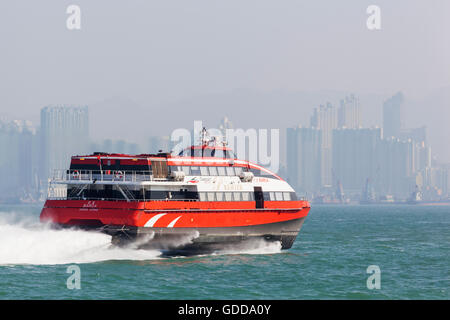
<point x="207" y="140"/>
<point x="204" y="137"/>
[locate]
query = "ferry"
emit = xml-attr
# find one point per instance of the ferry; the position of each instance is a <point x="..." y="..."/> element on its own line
<point x="200" y="200"/>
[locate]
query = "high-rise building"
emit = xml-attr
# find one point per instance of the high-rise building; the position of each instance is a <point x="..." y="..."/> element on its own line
<point x="418" y="135"/>
<point x="349" y="113"/>
<point x="355" y="157"/>
<point x="396" y="161"/>
<point x="64" y="132"/>
<point x="304" y="147"/>
<point x="422" y="156"/>
<point x="434" y="183"/>
<point x="17" y="159"/>
<point x="325" y="118"/>
<point x="392" y="116"/>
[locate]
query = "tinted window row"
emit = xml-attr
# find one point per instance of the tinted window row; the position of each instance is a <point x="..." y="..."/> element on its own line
<point x="226" y="196"/>
<point x="246" y="196"/>
<point x="105" y="167"/>
<point x="209" y="171"/>
<point x="188" y="170"/>
<point x="207" y="152"/>
<point x="259" y="173"/>
<point x="109" y="193"/>
<point x="279" y="196"/>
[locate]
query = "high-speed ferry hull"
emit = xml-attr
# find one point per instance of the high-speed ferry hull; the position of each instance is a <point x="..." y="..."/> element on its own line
<point x="188" y="229"/>
<point x="202" y="199"/>
<point x="206" y="239"/>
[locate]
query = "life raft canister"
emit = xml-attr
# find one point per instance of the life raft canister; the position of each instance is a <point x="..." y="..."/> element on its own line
<point x="76" y="174"/>
<point x="118" y="175"/>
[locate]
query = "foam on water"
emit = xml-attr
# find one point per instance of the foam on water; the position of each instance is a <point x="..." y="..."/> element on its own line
<point x="27" y="242"/>
<point x="256" y="246"/>
<point x="23" y="240"/>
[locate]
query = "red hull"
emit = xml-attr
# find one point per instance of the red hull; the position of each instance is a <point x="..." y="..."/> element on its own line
<point x="170" y="214"/>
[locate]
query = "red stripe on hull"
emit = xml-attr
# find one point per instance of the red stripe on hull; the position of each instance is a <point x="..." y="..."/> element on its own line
<point x="193" y="214"/>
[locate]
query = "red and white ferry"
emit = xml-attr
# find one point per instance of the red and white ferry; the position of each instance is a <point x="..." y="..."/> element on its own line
<point x="202" y="199"/>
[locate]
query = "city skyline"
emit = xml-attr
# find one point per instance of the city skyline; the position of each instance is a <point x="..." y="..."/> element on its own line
<point x="390" y="160"/>
<point x="334" y="152"/>
<point x="325" y="69"/>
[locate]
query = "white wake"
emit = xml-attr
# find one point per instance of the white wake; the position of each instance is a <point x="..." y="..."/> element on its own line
<point x="256" y="246"/>
<point x="27" y="242"/>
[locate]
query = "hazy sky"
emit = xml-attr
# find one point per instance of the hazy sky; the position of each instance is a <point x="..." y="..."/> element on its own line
<point x="157" y="52"/>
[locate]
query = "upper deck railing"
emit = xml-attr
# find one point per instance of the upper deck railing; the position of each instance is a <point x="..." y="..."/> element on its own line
<point x="68" y="176"/>
<point x="93" y="176"/>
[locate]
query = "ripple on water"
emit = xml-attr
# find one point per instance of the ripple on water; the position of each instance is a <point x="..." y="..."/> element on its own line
<point x="328" y="261"/>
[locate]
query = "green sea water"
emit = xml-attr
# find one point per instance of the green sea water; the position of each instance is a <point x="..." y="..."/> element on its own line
<point x="329" y="260"/>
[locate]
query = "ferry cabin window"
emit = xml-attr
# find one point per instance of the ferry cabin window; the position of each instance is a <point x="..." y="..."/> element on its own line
<point x="221" y="171"/>
<point x="222" y="154"/>
<point x="185" y="169"/>
<point x="210" y="196"/>
<point x="183" y="194"/>
<point x="109" y="192"/>
<point x="227" y="196"/>
<point x="260" y="173"/>
<point x="204" y="171"/>
<point x="110" y="165"/>
<point x="217" y="153"/>
<point x="209" y="170"/>
<point x="287" y="196"/>
<point x="213" y="171"/>
<point x="280" y="196"/>
<point x="208" y="153"/>
<point x="197" y="153"/>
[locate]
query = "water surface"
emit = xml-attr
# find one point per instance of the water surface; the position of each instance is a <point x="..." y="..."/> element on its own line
<point x="329" y="260"/>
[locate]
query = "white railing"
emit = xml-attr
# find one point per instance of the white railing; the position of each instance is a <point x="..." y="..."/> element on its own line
<point x="104" y="175"/>
<point x="56" y="192"/>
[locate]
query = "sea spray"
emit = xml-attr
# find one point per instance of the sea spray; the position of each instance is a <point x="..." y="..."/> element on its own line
<point x="25" y="242"/>
<point x="253" y="246"/>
